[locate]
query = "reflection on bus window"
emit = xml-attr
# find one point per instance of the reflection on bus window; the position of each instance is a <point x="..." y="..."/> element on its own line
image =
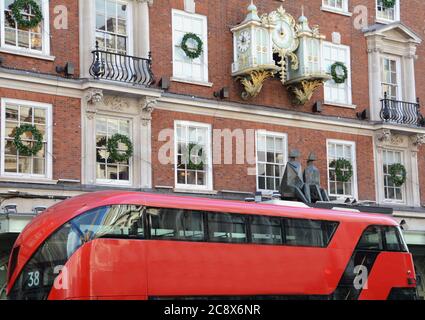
<point x="304" y="233"/>
<point x="176" y="224"/>
<point x="224" y="227"/>
<point x="391" y="240"/>
<point x="266" y="230"/>
<point x="371" y="239"/>
<point x="120" y="221"/>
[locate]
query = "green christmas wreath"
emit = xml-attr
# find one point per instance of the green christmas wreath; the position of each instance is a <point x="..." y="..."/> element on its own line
<point x="343" y="169"/>
<point x="388" y="4"/>
<point x="335" y="76"/>
<point x="16" y="8"/>
<point x="23" y="149"/>
<point x="191" y="165"/>
<point x="114" y="153"/>
<point x="398" y="174"/>
<point x="192" y="53"/>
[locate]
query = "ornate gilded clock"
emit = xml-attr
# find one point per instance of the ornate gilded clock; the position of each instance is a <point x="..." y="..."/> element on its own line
<point x="284" y="37"/>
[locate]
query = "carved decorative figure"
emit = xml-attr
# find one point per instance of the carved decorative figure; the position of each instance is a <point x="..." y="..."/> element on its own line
<point x="93" y="99"/>
<point x="418" y="139"/>
<point x="147" y="106"/>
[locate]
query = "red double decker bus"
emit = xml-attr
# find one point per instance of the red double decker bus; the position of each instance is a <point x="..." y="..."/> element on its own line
<point x="127" y="245"/>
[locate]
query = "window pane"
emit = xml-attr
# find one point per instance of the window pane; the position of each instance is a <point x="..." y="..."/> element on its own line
<point x="100" y="22"/>
<point x="38" y="166"/>
<point x="12" y="113"/>
<point x="112" y="173"/>
<point x="266" y="230"/>
<point x="391" y="239"/>
<point x="26" y="114"/>
<point x="23" y="39"/>
<point x="39" y="116"/>
<point x="10" y="37"/>
<point x="11" y="164"/>
<point x="25" y="165"/>
<point x="36" y="43"/>
<point x="176" y="224"/>
<point x="10" y="148"/>
<point x="371" y="240"/>
<point x="124" y="173"/>
<point x="101" y="171"/>
<point x="224" y="227"/>
<point x="308" y="232"/>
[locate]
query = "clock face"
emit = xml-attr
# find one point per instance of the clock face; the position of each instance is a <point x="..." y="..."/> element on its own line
<point x="244" y="41"/>
<point x="284" y="36"/>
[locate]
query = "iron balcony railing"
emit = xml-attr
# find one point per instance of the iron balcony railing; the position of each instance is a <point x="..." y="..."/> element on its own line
<point x="401" y="112"/>
<point x="120" y="67"/>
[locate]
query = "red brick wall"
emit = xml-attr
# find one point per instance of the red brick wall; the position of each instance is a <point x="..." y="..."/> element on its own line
<point x="235" y="177"/>
<point x="224" y="14"/>
<point x="66" y="131"/>
<point x="64" y="44"/>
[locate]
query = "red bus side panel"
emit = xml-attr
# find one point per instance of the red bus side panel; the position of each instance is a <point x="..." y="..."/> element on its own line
<point x="106" y="269"/>
<point x="389" y="271"/>
<point x="202" y="269"/>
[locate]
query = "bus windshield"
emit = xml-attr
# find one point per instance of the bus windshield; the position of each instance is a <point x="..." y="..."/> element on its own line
<point x="38" y="276"/>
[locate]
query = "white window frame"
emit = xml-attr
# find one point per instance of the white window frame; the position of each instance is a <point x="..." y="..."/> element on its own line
<point x="347" y="84"/>
<point x="110" y="182"/>
<point x="45" y="34"/>
<point x="130" y="37"/>
<point x="205" y="61"/>
<point x="344" y="10"/>
<point x="354" y="187"/>
<point x="403" y="187"/>
<point x="284" y="136"/>
<point x="398" y="71"/>
<point x="396" y="13"/>
<point x="209" y="171"/>
<point x="49" y="145"/>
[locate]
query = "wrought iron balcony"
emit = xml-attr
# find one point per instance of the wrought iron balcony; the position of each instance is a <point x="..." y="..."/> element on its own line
<point x="401" y="112"/>
<point x="120" y="67"/>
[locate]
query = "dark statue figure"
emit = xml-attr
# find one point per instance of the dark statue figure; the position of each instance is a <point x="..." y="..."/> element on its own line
<point x="312" y="181"/>
<point x="292" y="186"/>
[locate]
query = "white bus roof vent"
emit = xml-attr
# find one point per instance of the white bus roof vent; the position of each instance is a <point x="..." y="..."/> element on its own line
<point x="287" y="203"/>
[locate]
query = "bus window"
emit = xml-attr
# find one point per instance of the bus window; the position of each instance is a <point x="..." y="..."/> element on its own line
<point x="305" y="233"/>
<point x="266" y="230"/>
<point x="176" y="224"/>
<point x="371" y="239"/>
<point x="394" y="240"/>
<point x="224" y="227"/>
<point x="391" y="239"/>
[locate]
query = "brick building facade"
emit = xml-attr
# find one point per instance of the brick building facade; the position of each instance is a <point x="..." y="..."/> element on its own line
<point x="107" y="84"/>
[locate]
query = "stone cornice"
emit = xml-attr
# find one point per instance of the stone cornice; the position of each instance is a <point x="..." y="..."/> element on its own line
<point x="149" y="2"/>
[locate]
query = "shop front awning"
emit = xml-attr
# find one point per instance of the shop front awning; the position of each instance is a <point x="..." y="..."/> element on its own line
<point x="14" y="223"/>
<point x="414" y="238"/>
